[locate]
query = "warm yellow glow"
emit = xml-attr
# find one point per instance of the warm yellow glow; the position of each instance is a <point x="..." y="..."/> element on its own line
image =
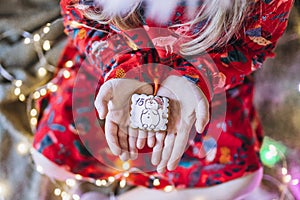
<point x="78" y="177"/>
<point x="295" y="182"/>
<point x="284" y="171"/>
<point x="71" y="182"/>
<point x="33" y="121"/>
<point x="17" y="91"/>
<point x="168" y="188"/>
<point x="69" y="64"/>
<point x="36" y="95"/>
<point x="103" y="182"/>
<point x="53" y="88"/>
<point x="40" y="169"/>
<point x="65" y="196"/>
<point x="43" y="91"/>
<point x="27" y="40"/>
<point x="156" y="182"/>
<point x="33" y="112"/>
<point x="22" y="97"/>
<point x="126" y="174"/>
<point x="18" y="83"/>
<point x="122" y="183"/>
<point x="42" y="71"/>
<point x="111" y="179"/>
<point x="66" y="74"/>
<point x="36" y="37"/>
<point x="287" y="178"/>
<point x="46" y="29"/>
<point x="126" y="166"/>
<point x="98" y="183"/>
<point x="22" y="148"/>
<point x="46" y="45"/>
<point x="57" y="191"/>
<point x="76" y="197"/>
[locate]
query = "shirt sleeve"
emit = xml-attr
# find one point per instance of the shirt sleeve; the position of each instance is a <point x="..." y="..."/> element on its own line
<point x="84" y="32"/>
<point x="263" y="27"/>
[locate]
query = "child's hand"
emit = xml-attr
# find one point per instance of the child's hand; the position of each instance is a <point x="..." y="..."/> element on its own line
<point x="187" y="105"/>
<point x="113" y="104"/>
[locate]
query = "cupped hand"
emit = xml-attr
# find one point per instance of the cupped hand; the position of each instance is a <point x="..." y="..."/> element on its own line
<point x="113" y="104"/>
<point x="188" y="106"/>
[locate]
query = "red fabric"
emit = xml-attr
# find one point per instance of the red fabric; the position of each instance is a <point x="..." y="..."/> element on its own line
<point x="68" y="131"/>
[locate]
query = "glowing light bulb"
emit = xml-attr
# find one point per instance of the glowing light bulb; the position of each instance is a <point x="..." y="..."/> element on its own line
<point x="42" y="72"/>
<point x="36" y="37"/>
<point x="22" y="148"/>
<point x="66" y="74"/>
<point x="43" y="91"/>
<point x="103" y="182"/>
<point x="295" y="182"/>
<point x="122" y="183"/>
<point x="18" y="83"/>
<point x="46" y="45"/>
<point x="36" y="95"/>
<point x="126" y="174"/>
<point x="78" y="177"/>
<point x="53" y="88"/>
<point x="126" y="166"/>
<point x="284" y="171"/>
<point x="33" y="112"/>
<point x="17" y="91"/>
<point x="33" y="121"/>
<point x="98" y="183"/>
<point x="111" y="179"/>
<point x="69" y="64"/>
<point x="57" y="191"/>
<point x="46" y="29"/>
<point x="27" y="40"/>
<point x="168" y="188"/>
<point x="22" y="97"/>
<point x="65" y="196"/>
<point x="40" y="169"/>
<point x="76" y="197"/>
<point x="71" y="182"/>
<point x="287" y="178"/>
<point x="156" y="182"/>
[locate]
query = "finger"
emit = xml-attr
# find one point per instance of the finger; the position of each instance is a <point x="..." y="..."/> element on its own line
<point x="111" y="134"/>
<point x="166" y="153"/>
<point x="180" y="143"/>
<point x="123" y="141"/>
<point x="202" y="115"/>
<point x="151" y="139"/>
<point x="157" y="149"/>
<point x="145" y="89"/>
<point x="141" y="139"/>
<point x="133" y="133"/>
<point x="102" y="99"/>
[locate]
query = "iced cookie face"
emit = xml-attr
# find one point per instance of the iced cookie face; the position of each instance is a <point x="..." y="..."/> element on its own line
<point x="149" y="112"/>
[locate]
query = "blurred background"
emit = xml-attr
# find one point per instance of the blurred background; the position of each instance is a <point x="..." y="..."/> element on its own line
<point x="31" y="39"/>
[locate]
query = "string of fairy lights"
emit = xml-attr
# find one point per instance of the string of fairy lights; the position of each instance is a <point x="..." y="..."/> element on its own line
<point x="271" y="153"/>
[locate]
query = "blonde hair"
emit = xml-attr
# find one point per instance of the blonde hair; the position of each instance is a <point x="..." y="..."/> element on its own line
<point x="222" y="22"/>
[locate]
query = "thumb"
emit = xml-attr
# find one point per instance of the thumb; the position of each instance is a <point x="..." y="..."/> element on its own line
<point x="145" y="88"/>
<point x="103" y="97"/>
<point x="202" y="115"/>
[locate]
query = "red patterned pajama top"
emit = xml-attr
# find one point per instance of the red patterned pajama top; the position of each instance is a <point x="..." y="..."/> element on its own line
<point x="70" y="134"/>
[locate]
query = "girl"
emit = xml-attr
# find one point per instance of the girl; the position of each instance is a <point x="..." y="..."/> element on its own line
<point x="198" y="54"/>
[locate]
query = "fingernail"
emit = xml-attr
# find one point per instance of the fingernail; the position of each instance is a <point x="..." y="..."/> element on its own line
<point x="124" y="156"/>
<point x="133" y="155"/>
<point x="161" y="170"/>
